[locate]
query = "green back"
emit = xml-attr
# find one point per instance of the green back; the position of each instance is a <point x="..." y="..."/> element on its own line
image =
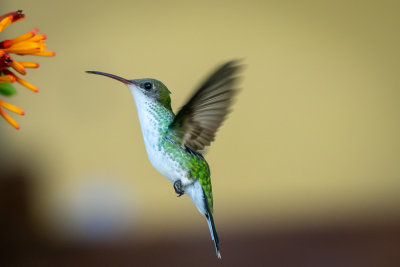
<point x="196" y="166"/>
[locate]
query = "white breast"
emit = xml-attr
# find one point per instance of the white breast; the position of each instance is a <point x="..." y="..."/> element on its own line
<point x="149" y="113"/>
<point x="163" y="162"/>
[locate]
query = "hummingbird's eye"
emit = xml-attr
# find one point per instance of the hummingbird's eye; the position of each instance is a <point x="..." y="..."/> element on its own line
<point x="147" y="86"/>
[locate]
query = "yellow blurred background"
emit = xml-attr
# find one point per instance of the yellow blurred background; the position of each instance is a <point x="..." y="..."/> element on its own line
<point x="313" y="137"/>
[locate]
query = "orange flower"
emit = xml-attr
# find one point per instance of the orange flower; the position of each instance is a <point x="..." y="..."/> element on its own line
<point x="11" y="108"/>
<point x="30" y="43"/>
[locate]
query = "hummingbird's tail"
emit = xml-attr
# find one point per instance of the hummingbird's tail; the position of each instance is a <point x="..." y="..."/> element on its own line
<point x="196" y="193"/>
<point x="213" y="231"/>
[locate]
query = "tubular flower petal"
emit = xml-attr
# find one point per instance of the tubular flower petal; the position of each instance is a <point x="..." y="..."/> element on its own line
<point x="9" y="119"/>
<point x="7" y="79"/>
<point x="38" y="37"/>
<point x="22" y="81"/>
<point x="5" y="22"/>
<point x="18" y="67"/>
<point x="30" y="65"/>
<point x="24" y="48"/>
<point x="45" y="54"/>
<point x="15" y="16"/>
<point x="12" y="108"/>
<point x="26" y="84"/>
<point x="26" y="36"/>
<point x="30" y="43"/>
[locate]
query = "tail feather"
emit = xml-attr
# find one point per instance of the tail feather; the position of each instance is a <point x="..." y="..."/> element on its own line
<point x="196" y="193"/>
<point x="213" y="231"/>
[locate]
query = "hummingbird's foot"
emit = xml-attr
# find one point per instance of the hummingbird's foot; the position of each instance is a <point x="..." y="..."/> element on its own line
<point x="178" y="188"/>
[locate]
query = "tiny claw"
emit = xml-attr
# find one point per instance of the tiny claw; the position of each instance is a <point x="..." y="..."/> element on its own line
<point x="178" y="188"/>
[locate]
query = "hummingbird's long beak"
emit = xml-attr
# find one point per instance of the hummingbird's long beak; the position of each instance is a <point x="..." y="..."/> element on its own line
<point x="125" y="81"/>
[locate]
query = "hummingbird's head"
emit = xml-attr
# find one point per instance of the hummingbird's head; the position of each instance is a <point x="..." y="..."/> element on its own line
<point x="150" y="88"/>
<point x="153" y="89"/>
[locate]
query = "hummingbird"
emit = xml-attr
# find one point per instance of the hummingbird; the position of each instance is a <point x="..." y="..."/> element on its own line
<point x="175" y="143"/>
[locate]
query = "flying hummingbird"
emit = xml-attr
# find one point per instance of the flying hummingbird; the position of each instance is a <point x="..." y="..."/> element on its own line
<point x="174" y="143"/>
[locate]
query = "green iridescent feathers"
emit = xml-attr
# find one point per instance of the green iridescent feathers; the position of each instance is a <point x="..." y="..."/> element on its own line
<point x="163" y="95"/>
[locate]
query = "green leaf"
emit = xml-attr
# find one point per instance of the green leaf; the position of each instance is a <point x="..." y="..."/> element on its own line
<point x="7" y="89"/>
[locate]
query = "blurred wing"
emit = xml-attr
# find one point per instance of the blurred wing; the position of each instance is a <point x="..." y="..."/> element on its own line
<point x="198" y="120"/>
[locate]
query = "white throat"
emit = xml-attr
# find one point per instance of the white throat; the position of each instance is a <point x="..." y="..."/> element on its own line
<point x="153" y="117"/>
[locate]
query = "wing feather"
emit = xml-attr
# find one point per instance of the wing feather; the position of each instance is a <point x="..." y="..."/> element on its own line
<point x="197" y="122"/>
